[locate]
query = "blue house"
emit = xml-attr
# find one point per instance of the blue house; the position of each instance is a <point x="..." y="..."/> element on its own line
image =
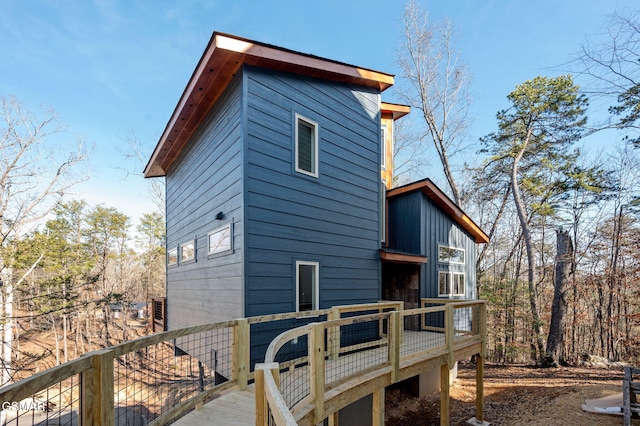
<point x="278" y="170"/>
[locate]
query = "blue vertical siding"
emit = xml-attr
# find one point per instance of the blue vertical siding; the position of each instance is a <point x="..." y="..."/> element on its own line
<point x="207" y="179"/>
<point x="417" y="225"/>
<point x="332" y="219"/>
<point x="441" y="229"/>
<point x="405" y="218"/>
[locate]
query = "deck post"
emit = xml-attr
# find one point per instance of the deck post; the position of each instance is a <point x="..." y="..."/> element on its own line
<point x="334" y="419"/>
<point x="316" y="365"/>
<point x="377" y="413"/>
<point x="261" y="398"/>
<point x="483" y="325"/>
<point x="241" y="354"/>
<point x="394" y="344"/>
<point x="445" y="383"/>
<point x="449" y="327"/>
<point x="96" y="394"/>
<point x="333" y="340"/>
<point x="480" y="388"/>
<point x="262" y="406"/>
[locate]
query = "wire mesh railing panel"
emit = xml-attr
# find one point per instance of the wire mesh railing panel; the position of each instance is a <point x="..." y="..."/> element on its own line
<point x="466" y="322"/>
<point x="151" y="381"/>
<point x="58" y="404"/>
<point x="362" y="346"/>
<point x="422" y="332"/>
<point x="293" y="357"/>
<point x="262" y="333"/>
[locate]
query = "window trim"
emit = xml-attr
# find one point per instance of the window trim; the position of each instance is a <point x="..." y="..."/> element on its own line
<point x="450" y="282"/>
<point x="449" y="262"/>
<point x="226" y="225"/>
<point x="169" y="252"/>
<point x="181" y="257"/>
<point x="315" y="147"/>
<point x="315" y="301"/>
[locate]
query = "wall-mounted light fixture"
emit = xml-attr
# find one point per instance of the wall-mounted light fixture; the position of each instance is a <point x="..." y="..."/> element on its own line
<point x="220" y="216"/>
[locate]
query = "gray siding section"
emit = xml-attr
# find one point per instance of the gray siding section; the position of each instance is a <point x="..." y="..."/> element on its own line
<point x="207" y="179"/>
<point x="332" y="219"/>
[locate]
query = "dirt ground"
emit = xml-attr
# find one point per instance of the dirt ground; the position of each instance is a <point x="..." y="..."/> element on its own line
<point x="515" y="395"/>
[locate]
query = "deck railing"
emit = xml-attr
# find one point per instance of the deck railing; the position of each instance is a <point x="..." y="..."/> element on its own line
<point x="158" y="378"/>
<point x="349" y="358"/>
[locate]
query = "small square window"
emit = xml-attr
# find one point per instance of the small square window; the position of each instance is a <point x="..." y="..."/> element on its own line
<point x="306" y="149"/>
<point x="172" y="256"/>
<point x="220" y="240"/>
<point x="187" y="252"/>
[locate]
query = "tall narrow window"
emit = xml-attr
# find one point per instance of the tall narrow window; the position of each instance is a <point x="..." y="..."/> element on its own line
<point x="383" y="211"/>
<point x="172" y="256"/>
<point x="306" y="146"/>
<point x="383" y="146"/>
<point x="444" y="284"/>
<point x="306" y="286"/>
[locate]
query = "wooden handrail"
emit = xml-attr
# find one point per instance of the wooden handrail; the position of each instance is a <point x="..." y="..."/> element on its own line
<point x="97" y="376"/>
<point x="397" y="368"/>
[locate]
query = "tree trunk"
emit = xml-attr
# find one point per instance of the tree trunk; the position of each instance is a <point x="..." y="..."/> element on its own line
<point x="555" y="341"/>
<point x="536" y="322"/>
<point x="6" y="328"/>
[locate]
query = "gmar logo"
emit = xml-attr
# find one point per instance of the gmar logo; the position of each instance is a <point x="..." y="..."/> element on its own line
<point x="25" y="405"/>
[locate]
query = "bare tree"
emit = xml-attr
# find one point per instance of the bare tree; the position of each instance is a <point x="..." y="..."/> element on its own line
<point x="437" y="84"/>
<point x="33" y="178"/>
<point x="137" y="151"/>
<point x="611" y="66"/>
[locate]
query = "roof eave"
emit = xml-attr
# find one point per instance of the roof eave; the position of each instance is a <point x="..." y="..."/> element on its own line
<point x="445" y="203"/>
<point x="223" y="57"/>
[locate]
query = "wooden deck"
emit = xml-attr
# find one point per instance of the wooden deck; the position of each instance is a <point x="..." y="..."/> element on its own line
<point x="344" y="361"/>
<point x="235" y="408"/>
<point x="238" y="407"/>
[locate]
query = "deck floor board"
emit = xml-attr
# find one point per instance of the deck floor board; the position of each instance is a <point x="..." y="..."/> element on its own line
<point x="238" y="407"/>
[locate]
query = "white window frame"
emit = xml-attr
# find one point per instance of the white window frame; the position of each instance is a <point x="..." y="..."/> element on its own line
<point x="315" y="162"/>
<point x="182" y="257"/>
<point x="172" y="254"/>
<point x="315" y="301"/>
<point x="450" y="280"/>
<point x="464" y="255"/>
<point x="226" y="249"/>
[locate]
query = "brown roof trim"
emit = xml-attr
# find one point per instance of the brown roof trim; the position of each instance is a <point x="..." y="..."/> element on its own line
<point x="388" y="256"/>
<point x="396" y="110"/>
<point x="445" y="203"/>
<point x="221" y="60"/>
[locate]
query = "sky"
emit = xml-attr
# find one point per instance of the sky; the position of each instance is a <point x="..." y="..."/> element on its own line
<point x="114" y="70"/>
